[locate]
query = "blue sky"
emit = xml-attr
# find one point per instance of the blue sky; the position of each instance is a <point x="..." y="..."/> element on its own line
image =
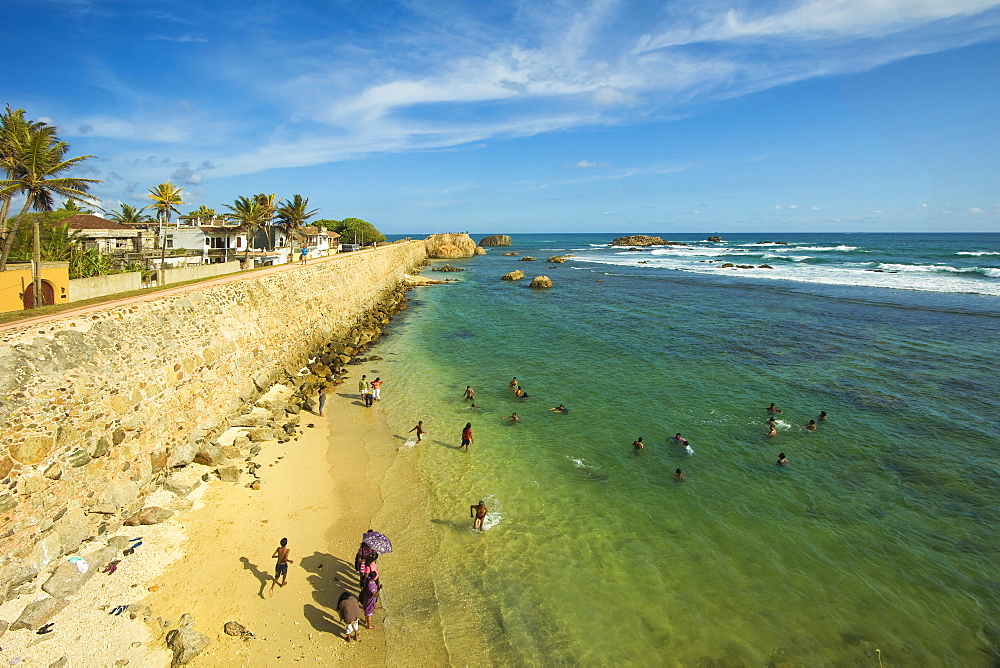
<point x="507" y="117"/>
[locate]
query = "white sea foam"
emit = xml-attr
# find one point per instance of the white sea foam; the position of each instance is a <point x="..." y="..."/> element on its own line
<point x="976" y="253"/>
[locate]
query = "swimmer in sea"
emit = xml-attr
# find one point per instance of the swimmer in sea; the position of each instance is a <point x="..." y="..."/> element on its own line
<point x="822" y="416"/>
<point x="518" y="391"/>
<point x="773" y="409"/>
<point x="771" y="429"/>
<point x="513" y="383"/>
<point x="513" y="418"/>
<point x="782" y="460"/>
<point x="637" y="444"/>
<point x="560" y="408"/>
<point x="679" y="440"/>
<point x="811" y="426"/>
<point x="680" y="476"/>
<point x="469" y="394"/>
<point x="478" y="513"/>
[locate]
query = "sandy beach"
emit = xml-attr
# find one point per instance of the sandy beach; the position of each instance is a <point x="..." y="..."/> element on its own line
<point x="213" y="561"/>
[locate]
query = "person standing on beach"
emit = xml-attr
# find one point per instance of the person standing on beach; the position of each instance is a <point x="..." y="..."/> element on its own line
<point x="363" y="387"/>
<point x="469" y="394"/>
<point x="478" y="513"/>
<point x="377" y="389"/>
<point x="281" y="567"/>
<point x="419" y="429"/>
<point x="467" y="436"/>
<point x="369" y="597"/>
<point x="350" y="613"/>
<point x="303" y="255"/>
<point x="322" y="398"/>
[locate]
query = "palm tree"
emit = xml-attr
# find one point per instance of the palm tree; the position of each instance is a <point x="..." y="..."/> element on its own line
<point x="292" y="214"/>
<point x="251" y="214"/>
<point x="34" y="160"/>
<point x="166" y="197"/>
<point x="129" y="215"/>
<point x="201" y="214"/>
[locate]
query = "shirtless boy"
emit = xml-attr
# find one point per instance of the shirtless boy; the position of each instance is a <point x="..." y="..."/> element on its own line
<point x="281" y="567"/>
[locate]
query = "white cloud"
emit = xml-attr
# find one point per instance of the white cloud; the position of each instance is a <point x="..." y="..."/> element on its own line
<point x="778" y="206"/>
<point x="976" y="210"/>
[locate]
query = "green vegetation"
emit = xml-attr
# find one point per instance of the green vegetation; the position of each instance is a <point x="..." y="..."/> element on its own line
<point x="352" y="230"/>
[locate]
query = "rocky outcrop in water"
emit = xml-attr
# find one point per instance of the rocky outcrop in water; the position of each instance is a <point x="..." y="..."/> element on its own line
<point x="515" y="275"/>
<point x="644" y="240"/>
<point x="715" y="239"/>
<point x="447" y="267"/>
<point x="495" y="240"/>
<point x="557" y="259"/>
<point x="451" y="245"/>
<point x="541" y="282"/>
<point x="527" y="258"/>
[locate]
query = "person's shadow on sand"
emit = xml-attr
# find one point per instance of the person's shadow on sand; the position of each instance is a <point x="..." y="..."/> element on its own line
<point x="329" y="576"/>
<point x="261" y="576"/>
<point x="457" y="526"/>
<point x="356" y="397"/>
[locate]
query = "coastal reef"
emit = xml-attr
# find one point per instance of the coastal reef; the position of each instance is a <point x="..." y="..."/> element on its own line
<point x="644" y="240"/>
<point x="541" y="282"/>
<point x="450" y="245"/>
<point x="495" y="240"/>
<point x="100" y="409"/>
<point x="515" y="275"/>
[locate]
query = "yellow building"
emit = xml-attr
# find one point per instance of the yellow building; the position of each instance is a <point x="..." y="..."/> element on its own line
<point x="16" y="288"/>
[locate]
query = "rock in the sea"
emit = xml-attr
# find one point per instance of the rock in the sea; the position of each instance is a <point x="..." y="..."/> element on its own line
<point x="447" y="246"/>
<point x="479" y="251"/>
<point x="727" y="265"/>
<point x="764" y="266"/>
<point x="186" y="644"/>
<point x="511" y="253"/>
<point x="527" y="258"/>
<point x="447" y="267"/>
<point x="715" y="239"/>
<point x="644" y="240"/>
<point x="495" y="240"/>
<point x="557" y="259"/>
<point x="146" y="516"/>
<point x="515" y="275"/>
<point x="541" y="282"/>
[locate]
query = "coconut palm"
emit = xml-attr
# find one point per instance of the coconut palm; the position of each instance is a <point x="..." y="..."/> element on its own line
<point x="34" y="160"/>
<point x="166" y="197"/>
<point x="252" y="214"/>
<point x="129" y="215"/>
<point x="293" y="213"/>
<point x="201" y="215"/>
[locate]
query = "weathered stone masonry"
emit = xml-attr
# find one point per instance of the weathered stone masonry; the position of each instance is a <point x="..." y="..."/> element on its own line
<point x="95" y="410"/>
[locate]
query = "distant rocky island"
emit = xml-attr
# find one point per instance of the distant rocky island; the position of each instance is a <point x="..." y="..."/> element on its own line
<point x="495" y="240"/>
<point x="644" y="240"/>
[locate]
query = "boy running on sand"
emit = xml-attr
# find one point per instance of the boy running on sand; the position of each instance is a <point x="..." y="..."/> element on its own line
<point x="281" y="567"/>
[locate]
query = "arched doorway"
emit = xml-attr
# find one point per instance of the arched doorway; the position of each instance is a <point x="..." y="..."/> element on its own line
<point x="48" y="295"/>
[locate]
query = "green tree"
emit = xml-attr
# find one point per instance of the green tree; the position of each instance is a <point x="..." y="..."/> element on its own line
<point x="293" y="213"/>
<point x="129" y="215"/>
<point x="201" y="216"/>
<point x="253" y="214"/>
<point x="34" y="161"/>
<point x="357" y="231"/>
<point x="166" y="197"/>
<point x="327" y="224"/>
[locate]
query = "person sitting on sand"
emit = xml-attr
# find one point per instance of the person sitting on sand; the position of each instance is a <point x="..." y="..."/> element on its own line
<point x="773" y="409"/>
<point x="811" y="426"/>
<point x="679" y="475"/>
<point x="478" y="513"/>
<point x="782" y="460"/>
<point x="350" y="613"/>
<point x="281" y="567"/>
<point x="513" y="418"/>
<point x="560" y="408"/>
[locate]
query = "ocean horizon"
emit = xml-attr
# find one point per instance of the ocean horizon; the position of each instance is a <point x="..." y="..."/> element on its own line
<point x="877" y="542"/>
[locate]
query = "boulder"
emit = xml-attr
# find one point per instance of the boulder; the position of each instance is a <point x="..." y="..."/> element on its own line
<point x="495" y="240"/>
<point x="527" y="258"/>
<point x="513" y="276"/>
<point x="150" y="515"/>
<point x="541" y="282"/>
<point x="234" y="629"/>
<point x="67" y="579"/>
<point x="479" y="251"/>
<point x="115" y="496"/>
<point x="186" y="644"/>
<point x="182" y="483"/>
<point x="764" y="266"/>
<point x="39" y="613"/>
<point x="210" y="454"/>
<point x="511" y="253"/>
<point x="228" y="473"/>
<point x="715" y="239"/>
<point x="447" y="267"/>
<point x="447" y="246"/>
<point x="557" y="259"/>
<point x="257" y="416"/>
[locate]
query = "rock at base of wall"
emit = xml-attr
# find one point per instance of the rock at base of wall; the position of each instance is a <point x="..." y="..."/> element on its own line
<point x="67" y="579"/>
<point x="228" y="473"/>
<point x="186" y="644"/>
<point x="39" y="613"/>
<point x="147" y="516"/>
<point x="182" y="483"/>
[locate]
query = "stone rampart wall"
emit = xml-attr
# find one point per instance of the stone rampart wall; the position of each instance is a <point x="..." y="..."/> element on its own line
<point x="95" y="409"/>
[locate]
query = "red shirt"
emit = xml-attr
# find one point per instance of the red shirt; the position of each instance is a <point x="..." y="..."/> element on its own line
<point x="467" y="434"/>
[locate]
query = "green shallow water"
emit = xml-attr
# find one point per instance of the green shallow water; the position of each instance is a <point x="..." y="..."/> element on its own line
<point x="881" y="535"/>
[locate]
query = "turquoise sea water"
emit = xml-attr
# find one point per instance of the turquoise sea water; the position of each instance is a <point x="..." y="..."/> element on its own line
<point x="881" y="535"/>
